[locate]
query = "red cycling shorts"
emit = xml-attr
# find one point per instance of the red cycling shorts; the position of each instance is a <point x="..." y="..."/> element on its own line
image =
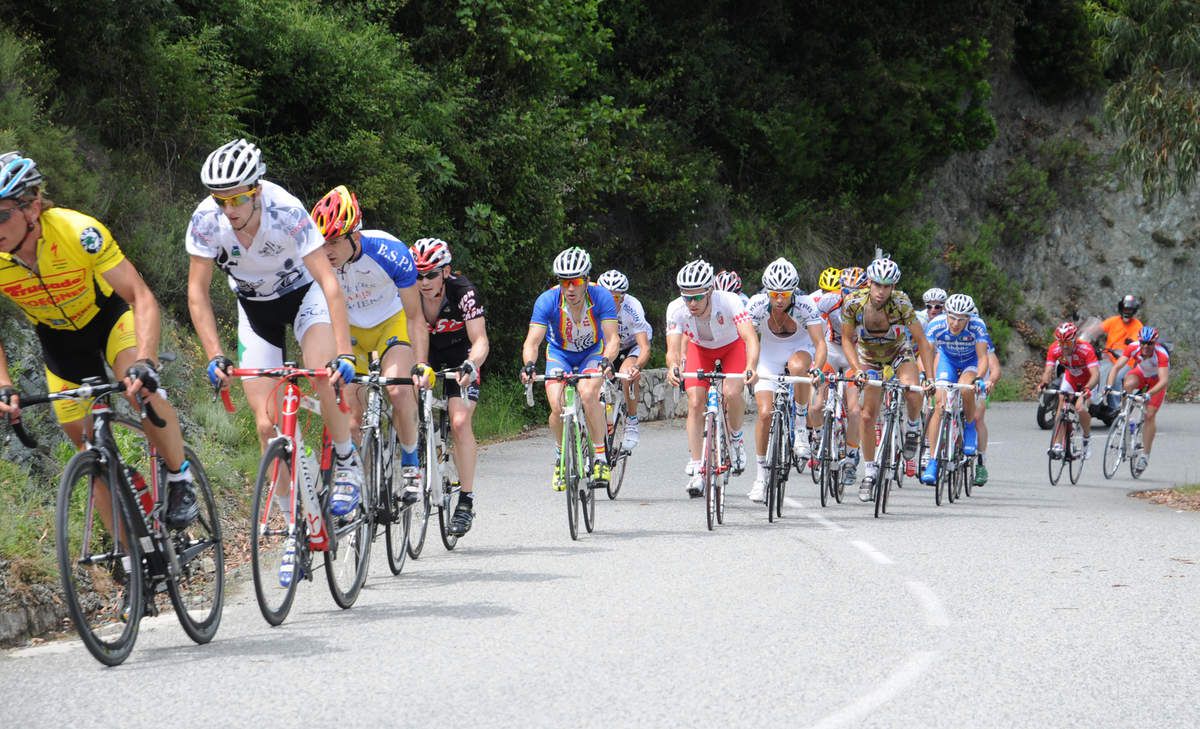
<point x="1145" y="383"/>
<point x="732" y="356"/>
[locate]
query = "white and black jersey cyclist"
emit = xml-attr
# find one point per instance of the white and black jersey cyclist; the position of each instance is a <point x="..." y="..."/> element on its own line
<point x="635" y="334"/>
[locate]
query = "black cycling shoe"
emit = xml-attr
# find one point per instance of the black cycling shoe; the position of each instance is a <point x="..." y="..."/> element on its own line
<point x="412" y="494"/>
<point x="460" y="523"/>
<point x="182" y="508"/>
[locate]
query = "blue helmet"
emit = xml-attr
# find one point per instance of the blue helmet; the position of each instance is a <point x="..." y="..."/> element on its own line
<point x="1148" y="335"/>
<point x="18" y="174"/>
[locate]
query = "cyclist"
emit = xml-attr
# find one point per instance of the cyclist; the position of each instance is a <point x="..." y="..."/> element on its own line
<point x="960" y="341"/>
<point x="935" y="305"/>
<point x="1120" y="331"/>
<point x="1149" y="371"/>
<point x="378" y="279"/>
<point x="458" y="338"/>
<point x="579" y="319"/>
<point x="264" y="241"/>
<point x="717" y="327"/>
<point x="989" y="384"/>
<point x="88" y="306"/>
<point x="875" y="320"/>
<point x="791" y="340"/>
<point x="730" y="281"/>
<point x="1080" y="374"/>
<point x="635" y="334"/>
<point x="830" y="308"/>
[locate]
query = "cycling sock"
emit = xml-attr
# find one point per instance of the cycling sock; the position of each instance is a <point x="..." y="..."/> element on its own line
<point x="344" y="450"/>
<point x="632" y="420"/>
<point x="852" y="453"/>
<point x="761" y="461"/>
<point x="981" y="455"/>
<point x="183" y="474"/>
<point x="913" y="425"/>
<point x="736" y="436"/>
<point x="599" y="448"/>
<point x="408" y="455"/>
<point x="467" y="499"/>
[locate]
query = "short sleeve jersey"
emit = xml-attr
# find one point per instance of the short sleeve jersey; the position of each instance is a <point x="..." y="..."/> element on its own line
<point x="566" y="333"/>
<point x="718" y="329"/>
<point x="273" y="264"/>
<point x="631" y="320"/>
<point x="1149" y="366"/>
<point x="880" y="345"/>
<point x="68" y="288"/>
<point x="371" y="282"/>
<point x="1118" y="335"/>
<point x="1076" y="361"/>
<point x="829" y="307"/>
<point x="461" y="304"/>
<point x="802" y="311"/>
<point x="958" y="348"/>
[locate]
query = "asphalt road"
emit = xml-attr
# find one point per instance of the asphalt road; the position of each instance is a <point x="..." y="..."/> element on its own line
<point x="1025" y="605"/>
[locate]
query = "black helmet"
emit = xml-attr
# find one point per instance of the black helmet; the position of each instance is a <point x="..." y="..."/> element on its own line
<point x="1129" y="305"/>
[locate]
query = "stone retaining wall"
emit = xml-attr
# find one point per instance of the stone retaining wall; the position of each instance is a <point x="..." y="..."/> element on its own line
<point x="659" y="401"/>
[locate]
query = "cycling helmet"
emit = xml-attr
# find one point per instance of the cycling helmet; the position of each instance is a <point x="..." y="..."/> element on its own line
<point x="1148" y="335"/>
<point x="960" y="304"/>
<point x="233" y="165"/>
<point x="1130" y="305"/>
<point x="854" y="278"/>
<point x="430" y="254"/>
<point x="697" y="274"/>
<point x="830" y="279"/>
<point x="614" y="281"/>
<point x="974" y="308"/>
<point x="572" y="262"/>
<point x="18" y="174"/>
<point x="337" y="213"/>
<point x="780" y="275"/>
<point x="883" y="271"/>
<point x="729" y="281"/>
<point x="934" y="295"/>
<point x="1066" y="331"/>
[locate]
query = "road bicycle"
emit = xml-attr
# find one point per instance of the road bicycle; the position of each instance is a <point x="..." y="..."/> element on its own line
<point x="1124" y="440"/>
<point x="577" y="452"/>
<point x="380" y="446"/>
<point x="439" y="486"/>
<point x="109" y="517"/>
<point x="283" y="540"/>
<point x="1067" y="431"/>
<point x="952" y="462"/>
<point x="826" y="462"/>
<point x="780" y="457"/>
<point x="889" y="454"/>
<point x="716" y="452"/>
<point x="617" y="417"/>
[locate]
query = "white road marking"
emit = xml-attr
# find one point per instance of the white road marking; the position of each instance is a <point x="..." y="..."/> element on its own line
<point x="875" y="555"/>
<point x="935" y="612"/>
<point x="855" y="712"/>
<point x="820" y="519"/>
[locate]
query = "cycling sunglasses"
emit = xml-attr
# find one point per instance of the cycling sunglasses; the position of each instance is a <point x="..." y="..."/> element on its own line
<point x="693" y="297"/>
<point x="430" y="275"/>
<point x="935" y="307"/>
<point x="6" y="214"/>
<point x="779" y="294"/>
<point x="567" y="283"/>
<point x="235" y="200"/>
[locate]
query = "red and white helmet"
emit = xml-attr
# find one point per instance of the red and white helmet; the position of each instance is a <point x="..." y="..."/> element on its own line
<point x="729" y="281"/>
<point x="430" y="254"/>
<point x="1066" y="332"/>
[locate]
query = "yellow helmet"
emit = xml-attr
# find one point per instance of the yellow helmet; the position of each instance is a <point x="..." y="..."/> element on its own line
<point x="830" y="279"/>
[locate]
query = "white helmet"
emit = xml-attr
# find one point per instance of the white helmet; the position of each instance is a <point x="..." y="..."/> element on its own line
<point x="960" y="305"/>
<point x="883" y="271"/>
<point x="18" y="175"/>
<point x="572" y="262"/>
<point x="780" y="275"/>
<point x="934" y="294"/>
<point x="233" y="165"/>
<point x="697" y="274"/>
<point x="614" y="280"/>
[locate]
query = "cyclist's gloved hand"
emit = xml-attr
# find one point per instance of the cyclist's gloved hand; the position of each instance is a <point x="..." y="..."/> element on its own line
<point x="606" y="367"/>
<point x="816" y="375"/>
<point x="342" y="366"/>
<point x="9" y="400"/>
<point x="221" y="364"/>
<point x="146" y="372"/>
<point x="468" y="370"/>
<point x="528" y="372"/>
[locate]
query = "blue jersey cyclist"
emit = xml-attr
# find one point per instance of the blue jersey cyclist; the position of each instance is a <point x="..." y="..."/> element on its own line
<point x="379" y="280"/>
<point x="960" y="341"/>
<point x="578" y="321"/>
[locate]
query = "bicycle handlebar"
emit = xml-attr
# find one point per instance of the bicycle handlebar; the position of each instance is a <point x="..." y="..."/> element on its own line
<point x="566" y="377"/>
<point x="83" y="392"/>
<point x="893" y="385"/>
<point x="288" y="372"/>
<point x="702" y="375"/>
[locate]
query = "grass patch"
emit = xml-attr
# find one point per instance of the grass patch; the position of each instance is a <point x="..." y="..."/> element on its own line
<point x="1193" y="488"/>
<point x="502" y="411"/>
<point x="1007" y="389"/>
<point x="27" y="539"/>
<point x="1180" y="384"/>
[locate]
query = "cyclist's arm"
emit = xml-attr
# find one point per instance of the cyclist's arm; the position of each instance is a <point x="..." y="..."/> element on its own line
<point x="749" y="335"/>
<point x="1163" y="378"/>
<point x="849" y="346"/>
<point x="612" y="343"/>
<point x="5" y="378"/>
<point x="322" y="272"/>
<point x="533" y="340"/>
<point x="924" y="350"/>
<point x="1094" y="377"/>
<point x="1047" y="374"/>
<point x="480" y="346"/>
<point x="981" y="355"/>
<point x="418" y="328"/>
<point x="993" y="369"/>
<point x="1112" y="373"/>
<point x="674" y="353"/>
<point x="129" y="285"/>
<point x="200" y="272"/>
<point x="643" y="343"/>
<point x="817" y="335"/>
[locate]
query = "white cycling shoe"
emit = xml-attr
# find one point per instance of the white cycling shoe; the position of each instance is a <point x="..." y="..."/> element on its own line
<point x="758" y="491"/>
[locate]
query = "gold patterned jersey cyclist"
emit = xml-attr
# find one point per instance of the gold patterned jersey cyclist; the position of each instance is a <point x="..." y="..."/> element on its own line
<point x="881" y="345"/>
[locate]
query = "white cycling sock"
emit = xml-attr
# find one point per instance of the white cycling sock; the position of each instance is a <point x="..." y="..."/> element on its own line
<point x="344" y="449"/>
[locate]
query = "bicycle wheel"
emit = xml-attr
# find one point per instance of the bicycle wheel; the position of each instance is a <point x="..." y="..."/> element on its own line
<point x="269" y="534"/>
<point x="709" y="471"/>
<point x="587" y="495"/>
<point x="198" y="591"/>
<point x="349" y="556"/>
<point x="104" y="594"/>
<point x="1075" y="463"/>
<point x="397" y="520"/>
<point x="1134" y="441"/>
<point x="571" y="477"/>
<point x="1114" y="446"/>
<point x="430" y="490"/>
<point x="968" y="474"/>
<point x="450" y="485"/>
<point x="1056" y="464"/>
<point x="617" y="457"/>
<point x="721" y="477"/>
<point x="883" y="473"/>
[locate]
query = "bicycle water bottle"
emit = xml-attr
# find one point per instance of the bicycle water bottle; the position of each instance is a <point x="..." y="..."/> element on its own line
<point x="610" y="416"/>
<point x="568" y="401"/>
<point x="318" y="540"/>
<point x="141" y="488"/>
<point x="712" y="399"/>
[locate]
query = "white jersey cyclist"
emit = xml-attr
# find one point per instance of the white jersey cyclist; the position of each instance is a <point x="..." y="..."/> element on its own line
<point x="718" y="330"/>
<point x="776" y="349"/>
<point x="631" y="320"/>
<point x="370" y="282"/>
<point x="829" y="307"/>
<point x="273" y="286"/>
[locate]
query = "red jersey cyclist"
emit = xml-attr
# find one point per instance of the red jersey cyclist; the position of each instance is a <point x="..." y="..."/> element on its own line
<point x="1149" y="371"/>
<point x="1081" y="373"/>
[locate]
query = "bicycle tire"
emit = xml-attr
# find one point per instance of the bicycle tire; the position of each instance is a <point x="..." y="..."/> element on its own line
<point x="1060" y="426"/>
<point x="725" y="468"/>
<point x="418" y="524"/>
<point x="708" y="471"/>
<point x="349" y="561"/>
<point x="447" y="499"/>
<point x="397" y="517"/>
<point x="881" y="472"/>
<point x="571" y="477"/>
<point x="274" y="600"/>
<point x="617" y="457"/>
<point x="96" y="593"/>
<point x="200" y="551"/>
<point x="587" y="502"/>
<point x="1075" y="463"/>
<point x="773" y="464"/>
<point x="1114" y="446"/>
<point x="1135" y="440"/>
<point x="968" y="474"/>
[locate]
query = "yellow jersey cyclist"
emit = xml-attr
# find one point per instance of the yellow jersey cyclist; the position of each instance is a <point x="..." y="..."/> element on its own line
<point x="264" y="241"/>
<point x="378" y="278"/>
<point x="579" y="321"/>
<point x="635" y="334"/>
<point x="457" y="338"/>
<point x="88" y="306"/>
<point x="877" y="323"/>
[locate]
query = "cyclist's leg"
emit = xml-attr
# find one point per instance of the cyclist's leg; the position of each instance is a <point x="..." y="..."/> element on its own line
<point x="626" y="361"/>
<point x="764" y="393"/>
<point x="908" y="373"/>
<point x="397" y="361"/>
<point x="733" y="360"/>
<point x="593" y="410"/>
<point x="872" y="396"/>
<point x="799" y="364"/>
